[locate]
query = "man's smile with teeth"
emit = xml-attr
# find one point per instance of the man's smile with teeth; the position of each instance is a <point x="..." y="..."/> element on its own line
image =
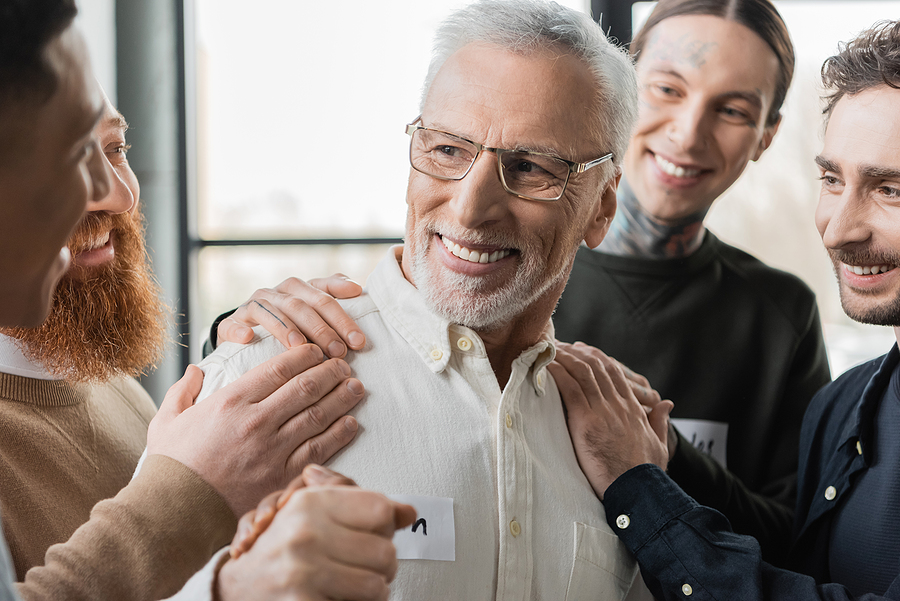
<point x="98" y="242"/>
<point x="673" y="169"/>
<point x="869" y="269"/>
<point x="473" y="256"/>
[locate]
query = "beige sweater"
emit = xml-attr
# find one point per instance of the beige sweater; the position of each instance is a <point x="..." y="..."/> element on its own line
<point x="64" y="448"/>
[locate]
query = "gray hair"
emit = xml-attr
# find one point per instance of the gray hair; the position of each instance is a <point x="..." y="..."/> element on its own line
<point x="524" y="26"/>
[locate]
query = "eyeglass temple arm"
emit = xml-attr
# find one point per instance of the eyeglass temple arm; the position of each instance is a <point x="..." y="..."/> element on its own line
<point x="582" y="167"/>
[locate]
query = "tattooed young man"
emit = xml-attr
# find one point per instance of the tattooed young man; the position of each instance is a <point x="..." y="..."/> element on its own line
<point x="737" y="345"/>
<point x="845" y="537"/>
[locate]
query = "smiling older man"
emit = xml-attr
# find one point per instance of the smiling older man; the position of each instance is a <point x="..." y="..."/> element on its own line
<point x="525" y="116"/>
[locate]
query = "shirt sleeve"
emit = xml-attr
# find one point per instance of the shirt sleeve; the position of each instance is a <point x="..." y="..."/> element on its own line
<point x="767" y="512"/>
<point x="688" y="551"/>
<point x="141" y="545"/>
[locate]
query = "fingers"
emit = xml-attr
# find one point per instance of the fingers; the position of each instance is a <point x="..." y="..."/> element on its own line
<point x="570" y="391"/>
<point x="324" y="544"/>
<point x="639" y="385"/>
<point x="183" y="392"/>
<point x="622" y="385"/>
<point x="295" y="311"/>
<point x="319" y="475"/>
<point x="319" y="315"/>
<point x="590" y="372"/>
<point x="311" y="402"/>
<point x="320" y="448"/>
<point x="244" y="536"/>
<point x="404" y="515"/>
<point x="660" y="424"/>
<point x="290" y="373"/>
<point x="253" y="523"/>
<point x="179" y="398"/>
<point x="334" y="326"/>
<point x="337" y="285"/>
<point x="261" y="310"/>
<point x="316" y="475"/>
<point x="355" y="508"/>
<point x="353" y="584"/>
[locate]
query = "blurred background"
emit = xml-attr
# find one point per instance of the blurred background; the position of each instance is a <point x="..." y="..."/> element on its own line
<point x="248" y="122"/>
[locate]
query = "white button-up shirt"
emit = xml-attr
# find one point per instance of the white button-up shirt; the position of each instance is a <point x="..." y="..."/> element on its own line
<point x="435" y="423"/>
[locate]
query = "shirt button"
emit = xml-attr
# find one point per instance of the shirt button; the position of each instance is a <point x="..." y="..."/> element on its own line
<point x="464" y="344"/>
<point x="859" y="447"/>
<point x="623" y="521"/>
<point x="436" y="354"/>
<point x="508" y="420"/>
<point x="514" y="528"/>
<point x="687" y="590"/>
<point x="830" y="493"/>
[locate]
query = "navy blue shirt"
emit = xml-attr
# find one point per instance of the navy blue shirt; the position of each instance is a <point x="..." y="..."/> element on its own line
<point x="687" y="551"/>
<point x="864" y="553"/>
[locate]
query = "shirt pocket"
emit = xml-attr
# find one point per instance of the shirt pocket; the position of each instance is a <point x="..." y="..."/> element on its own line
<point x="603" y="569"/>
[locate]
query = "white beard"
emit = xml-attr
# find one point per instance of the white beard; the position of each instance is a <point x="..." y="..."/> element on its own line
<point x="472" y="301"/>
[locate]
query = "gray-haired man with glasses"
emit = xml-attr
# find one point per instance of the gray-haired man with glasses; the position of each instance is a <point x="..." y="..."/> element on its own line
<point x="526" y="113"/>
<point x="528" y="174"/>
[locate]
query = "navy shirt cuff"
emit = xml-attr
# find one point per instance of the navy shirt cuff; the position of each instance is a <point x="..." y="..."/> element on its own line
<point x="641" y="502"/>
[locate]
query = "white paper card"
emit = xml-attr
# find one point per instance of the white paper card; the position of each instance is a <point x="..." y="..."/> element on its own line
<point x="706" y="436"/>
<point x="433" y="535"/>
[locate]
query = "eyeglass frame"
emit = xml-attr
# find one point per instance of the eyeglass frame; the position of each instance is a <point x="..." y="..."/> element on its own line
<point x="573" y="166"/>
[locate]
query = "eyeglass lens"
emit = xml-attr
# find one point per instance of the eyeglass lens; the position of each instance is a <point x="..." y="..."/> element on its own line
<point x="447" y="156"/>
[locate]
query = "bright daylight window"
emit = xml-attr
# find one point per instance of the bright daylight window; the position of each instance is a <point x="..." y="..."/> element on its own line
<point x="300" y="114"/>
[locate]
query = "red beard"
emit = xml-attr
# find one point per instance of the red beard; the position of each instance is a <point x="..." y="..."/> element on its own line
<point x="106" y="320"/>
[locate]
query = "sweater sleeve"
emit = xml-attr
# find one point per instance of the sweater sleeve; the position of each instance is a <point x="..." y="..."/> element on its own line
<point x="767" y="512"/>
<point x="688" y="551"/>
<point x="143" y="544"/>
<point x="201" y="586"/>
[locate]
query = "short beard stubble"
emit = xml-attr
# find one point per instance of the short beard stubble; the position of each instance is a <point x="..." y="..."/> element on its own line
<point x="880" y="314"/>
<point x="465" y="300"/>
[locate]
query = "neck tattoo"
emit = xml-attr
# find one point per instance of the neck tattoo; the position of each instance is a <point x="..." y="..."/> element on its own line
<point x="634" y="233"/>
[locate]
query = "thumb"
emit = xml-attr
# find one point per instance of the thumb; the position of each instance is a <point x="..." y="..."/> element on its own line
<point x="404" y="515"/>
<point x="182" y="394"/>
<point x="659" y="419"/>
<point x="319" y="475"/>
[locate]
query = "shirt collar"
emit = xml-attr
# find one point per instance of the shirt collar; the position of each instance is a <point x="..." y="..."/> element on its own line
<point x="433" y="337"/>
<point x="13" y="361"/>
<point x="862" y="426"/>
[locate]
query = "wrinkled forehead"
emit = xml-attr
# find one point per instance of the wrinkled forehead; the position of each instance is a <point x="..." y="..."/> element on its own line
<point x="540" y="99"/>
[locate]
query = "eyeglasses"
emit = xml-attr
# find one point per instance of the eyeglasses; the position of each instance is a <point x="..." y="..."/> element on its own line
<point x="529" y="175"/>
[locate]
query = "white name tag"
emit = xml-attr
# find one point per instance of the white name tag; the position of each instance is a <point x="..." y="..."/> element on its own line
<point x="432" y="535"/>
<point x="706" y="436"/>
